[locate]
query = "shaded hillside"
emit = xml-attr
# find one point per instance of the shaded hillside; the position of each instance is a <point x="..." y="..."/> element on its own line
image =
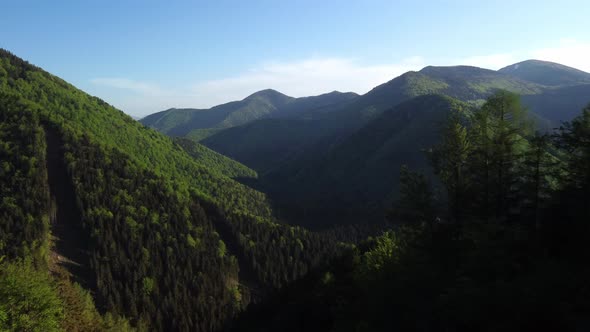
<point x="358" y="177"/>
<point x="267" y="144"/>
<point x="328" y="126"/>
<point x="215" y="161"/>
<point x="559" y="104"/>
<point x="546" y="73"/>
<point x="511" y="261"/>
<point x="70" y="240"/>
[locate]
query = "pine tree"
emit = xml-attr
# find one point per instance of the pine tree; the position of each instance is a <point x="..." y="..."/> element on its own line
<point x="498" y="130"/>
<point x="537" y="168"/>
<point x="449" y="160"/>
<point x="574" y="139"/>
<point x="416" y="201"/>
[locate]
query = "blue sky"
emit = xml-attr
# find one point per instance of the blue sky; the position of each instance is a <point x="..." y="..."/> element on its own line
<point x="146" y="56"/>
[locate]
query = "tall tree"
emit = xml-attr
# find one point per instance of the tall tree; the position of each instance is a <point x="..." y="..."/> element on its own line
<point x="574" y="138"/>
<point x="499" y="127"/>
<point x="416" y="201"/>
<point x="449" y="160"/>
<point x="537" y="168"/>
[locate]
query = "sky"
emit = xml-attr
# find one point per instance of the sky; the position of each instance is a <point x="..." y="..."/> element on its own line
<point x="147" y="56"/>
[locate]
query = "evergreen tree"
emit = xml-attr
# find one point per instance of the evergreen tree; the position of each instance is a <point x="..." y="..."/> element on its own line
<point x="497" y="134"/>
<point x="574" y="139"/>
<point x="416" y="201"/>
<point x="537" y="168"/>
<point x="449" y="160"/>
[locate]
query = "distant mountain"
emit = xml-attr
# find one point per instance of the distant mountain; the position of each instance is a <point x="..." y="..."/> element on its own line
<point x="311" y="144"/>
<point x="356" y="178"/>
<point x="266" y="145"/>
<point x="546" y="73"/>
<point x="262" y="104"/>
<point x="469" y="84"/>
<point x="559" y="104"/>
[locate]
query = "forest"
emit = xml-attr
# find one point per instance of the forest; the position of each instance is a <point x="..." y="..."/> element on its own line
<point x="109" y="225"/>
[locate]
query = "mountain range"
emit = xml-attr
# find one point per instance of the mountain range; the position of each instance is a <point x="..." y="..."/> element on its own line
<point x="321" y="141"/>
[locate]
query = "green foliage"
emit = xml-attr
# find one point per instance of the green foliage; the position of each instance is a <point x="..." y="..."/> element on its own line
<point x="24" y="194"/>
<point x="134" y="196"/>
<point x="416" y="201"/>
<point x="179" y="122"/>
<point x="449" y="160"/>
<point x="497" y="133"/>
<point x="214" y="161"/>
<point x="384" y="252"/>
<point x="30" y="301"/>
<point x="573" y="138"/>
<point x="79" y="114"/>
<point x="524" y="271"/>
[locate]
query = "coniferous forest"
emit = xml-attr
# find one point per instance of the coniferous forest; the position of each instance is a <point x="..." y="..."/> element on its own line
<point x="450" y="199"/>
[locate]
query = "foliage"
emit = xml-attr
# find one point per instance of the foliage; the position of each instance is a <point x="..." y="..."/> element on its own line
<point x="214" y="161"/>
<point x="525" y="271"/>
<point x="24" y="194"/>
<point x="30" y="301"/>
<point x="135" y="197"/>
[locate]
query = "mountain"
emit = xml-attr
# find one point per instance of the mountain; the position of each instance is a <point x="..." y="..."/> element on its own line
<point x="262" y="104"/>
<point x="546" y="73"/>
<point x="304" y="154"/>
<point x="560" y="103"/>
<point x="178" y="122"/>
<point x="106" y="213"/>
<point x="215" y="161"/>
<point x="267" y="145"/>
<point x="358" y="178"/>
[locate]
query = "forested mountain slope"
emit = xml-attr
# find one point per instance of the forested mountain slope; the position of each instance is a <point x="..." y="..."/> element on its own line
<point x="503" y="249"/>
<point x="326" y="128"/>
<point x="297" y="151"/>
<point x="357" y="178"/>
<point x="152" y="213"/>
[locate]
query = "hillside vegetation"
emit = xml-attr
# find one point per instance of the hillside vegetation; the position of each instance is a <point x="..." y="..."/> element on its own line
<point x="169" y="239"/>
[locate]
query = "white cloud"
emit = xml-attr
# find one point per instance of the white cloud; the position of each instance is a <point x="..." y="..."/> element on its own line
<point x="304" y="78"/>
<point x="312" y="77"/>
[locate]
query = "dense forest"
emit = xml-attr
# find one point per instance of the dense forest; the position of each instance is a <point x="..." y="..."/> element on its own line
<point x="108" y="225"/>
<point x="501" y="247"/>
<point x="157" y="230"/>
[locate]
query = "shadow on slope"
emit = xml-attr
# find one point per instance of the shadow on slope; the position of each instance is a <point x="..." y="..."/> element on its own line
<point x="71" y="242"/>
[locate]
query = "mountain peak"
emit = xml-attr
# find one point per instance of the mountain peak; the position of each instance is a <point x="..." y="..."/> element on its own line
<point x="454" y="70"/>
<point x="267" y="93"/>
<point x="546" y="73"/>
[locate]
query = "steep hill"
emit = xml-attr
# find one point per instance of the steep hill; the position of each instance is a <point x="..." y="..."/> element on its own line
<point x="215" y="161"/>
<point x="162" y="236"/>
<point x="546" y="73"/>
<point x="358" y="177"/>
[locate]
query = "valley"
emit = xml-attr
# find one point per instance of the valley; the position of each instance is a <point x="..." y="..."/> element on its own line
<point x="437" y="190"/>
